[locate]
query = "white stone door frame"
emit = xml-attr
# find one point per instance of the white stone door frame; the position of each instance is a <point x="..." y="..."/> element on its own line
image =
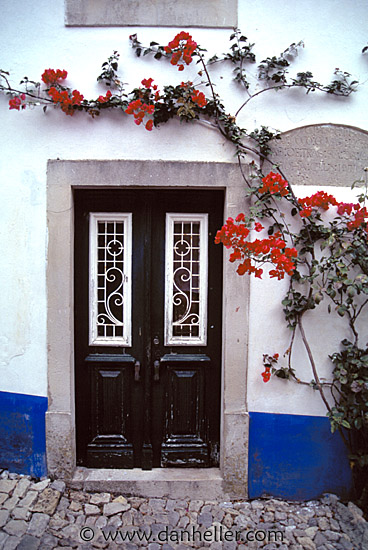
<point x="63" y="176"/>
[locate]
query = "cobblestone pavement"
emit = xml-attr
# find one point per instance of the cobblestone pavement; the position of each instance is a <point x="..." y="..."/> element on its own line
<point x="46" y="515"/>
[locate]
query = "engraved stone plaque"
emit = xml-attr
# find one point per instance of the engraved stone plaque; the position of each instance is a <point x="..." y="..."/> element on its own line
<point x="322" y="154"/>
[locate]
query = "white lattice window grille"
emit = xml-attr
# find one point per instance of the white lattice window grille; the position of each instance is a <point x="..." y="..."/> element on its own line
<point x="186" y="279"/>
<point x="110" y="290"/>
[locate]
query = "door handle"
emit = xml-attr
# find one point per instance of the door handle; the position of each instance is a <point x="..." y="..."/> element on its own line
<point x="137" y="371"/>
<point x="156" y="370"/>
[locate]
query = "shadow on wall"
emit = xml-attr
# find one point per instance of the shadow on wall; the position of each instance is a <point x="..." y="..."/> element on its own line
<point x="22" y="433"/>
<point x="296" y="457"/>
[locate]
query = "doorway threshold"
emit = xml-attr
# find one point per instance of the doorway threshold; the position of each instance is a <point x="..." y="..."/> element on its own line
<point x="173" y="483"/>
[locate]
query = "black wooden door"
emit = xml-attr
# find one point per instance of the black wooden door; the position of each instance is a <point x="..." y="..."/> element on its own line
<point x="148" y="295"/>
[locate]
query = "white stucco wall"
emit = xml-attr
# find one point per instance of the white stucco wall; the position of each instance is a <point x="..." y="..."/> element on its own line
<point x="34" y="38"/>
<point x="269" y="334"/>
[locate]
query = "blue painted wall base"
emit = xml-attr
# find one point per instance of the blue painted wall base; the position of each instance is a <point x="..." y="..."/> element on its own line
<point x="296" y="457"/>
<point x="22" y="433"/>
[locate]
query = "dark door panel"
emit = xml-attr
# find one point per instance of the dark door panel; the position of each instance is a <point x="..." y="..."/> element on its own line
<point x="147" y="404"/>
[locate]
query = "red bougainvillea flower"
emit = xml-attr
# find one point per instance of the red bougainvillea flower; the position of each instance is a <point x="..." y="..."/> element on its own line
<point x="104" y="98"/>
<point x="266" y="375"/>
<point x="186" y="84"/>
<point x="347" y="208"/>
<point x="67" y="102"/>
<point x="147" y="83"/>
<point x="274" y="183"/>
<point x="199" y="98"/>
<point x="360" y="218"/>
<point x="318" y="200"/>
<point x="149" y="125"/>
<point x="17" y="102"/>
<point x="182" y="49"/>
<point x="144" y="105"/>
<point x="51" y="77"/>
<point x="232" y="234"/>
<point x="139" y="110"/>
<point x="258" y="227"/>
<point x="272" y="249"/>
<point x="269" y="361"/>
<point x="324" y="201"/>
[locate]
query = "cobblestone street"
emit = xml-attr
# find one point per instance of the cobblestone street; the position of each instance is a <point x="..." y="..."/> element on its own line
<point x="47" y="515"/>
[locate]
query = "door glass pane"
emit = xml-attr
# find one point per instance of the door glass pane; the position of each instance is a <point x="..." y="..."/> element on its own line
<point x="110" y="253"/>
<point x="186" y="279"/>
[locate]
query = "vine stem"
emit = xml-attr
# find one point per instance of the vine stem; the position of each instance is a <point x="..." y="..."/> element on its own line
<point x="316" y="377"/>
<point x="209" y="82"/>
<point x="282" y="87"/>
<point x="360" y="309"/>
<point x="42" y="100"/>
<point x="261" y="92"/>
<point x="312" y="363"/>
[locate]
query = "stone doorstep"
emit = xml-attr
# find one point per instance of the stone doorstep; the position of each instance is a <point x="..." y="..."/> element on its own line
<point x="190" y="483"/>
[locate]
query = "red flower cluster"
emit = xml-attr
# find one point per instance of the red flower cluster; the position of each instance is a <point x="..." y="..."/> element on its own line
<point x="147" y="83"/>
<point x="182" y="47"/>
<point x="319" y="200"/>
<point x="139" y="110"/>
<point x="272" y="249"/>
<point x="324" y="201"/>
<point x="274" y="183"/>
<point x="140" y="107"/>
<point x="67" y="102"/>
<point x="284" y="262"/>
<point x="360" y="214"/>
<point x="199" y="98"/>
<point x="266" y="375"/>
<point x="51" y="77"/>
<point x="186" y="84"/>
<point x="231" y="234"/>
<point x="347" y="208"/>
<point x="104" y="98"/>
<point x="17" y="102"/>
<point x="360" y="217"/>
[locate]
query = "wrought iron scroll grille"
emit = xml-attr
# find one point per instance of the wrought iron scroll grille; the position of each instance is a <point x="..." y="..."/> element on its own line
<point x="110" y="279"/>
<point x="186" y="279"/>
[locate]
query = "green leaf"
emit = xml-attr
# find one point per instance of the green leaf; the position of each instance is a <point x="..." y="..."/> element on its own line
<point x="341" y="310"/>
<point x="358" y="423"/>
<point x="346" y="342"/>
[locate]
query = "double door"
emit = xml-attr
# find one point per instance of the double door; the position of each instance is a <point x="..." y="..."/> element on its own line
<point x="148" y="295"/>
